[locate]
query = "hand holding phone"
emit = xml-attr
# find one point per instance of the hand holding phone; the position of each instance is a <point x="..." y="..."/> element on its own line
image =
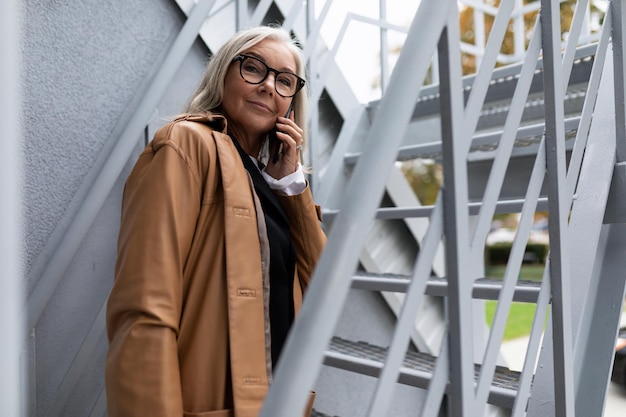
<point x="274" y="141"/>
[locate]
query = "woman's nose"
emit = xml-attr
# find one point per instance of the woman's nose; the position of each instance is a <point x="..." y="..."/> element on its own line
<point x="270" y="82"/>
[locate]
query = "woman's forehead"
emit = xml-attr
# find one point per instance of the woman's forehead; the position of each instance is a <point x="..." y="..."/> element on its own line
<point x="274" y="53"/>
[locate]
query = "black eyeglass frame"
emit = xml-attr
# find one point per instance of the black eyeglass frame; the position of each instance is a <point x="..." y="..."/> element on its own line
<point x="241" y="57"/>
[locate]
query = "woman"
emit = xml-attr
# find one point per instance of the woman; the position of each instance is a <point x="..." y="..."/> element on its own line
<point x="218" y="240"/>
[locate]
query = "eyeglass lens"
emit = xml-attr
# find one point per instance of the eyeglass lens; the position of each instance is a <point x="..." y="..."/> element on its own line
<point x="255" y="71"/>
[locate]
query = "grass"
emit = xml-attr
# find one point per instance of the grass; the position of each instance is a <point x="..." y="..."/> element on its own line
<point x="521" y="315"/>
<point x="520" y="318"/>
<point x="529" y="272"/>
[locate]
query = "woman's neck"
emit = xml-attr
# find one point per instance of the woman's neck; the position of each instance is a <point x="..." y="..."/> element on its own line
<point x="251" y="145"/>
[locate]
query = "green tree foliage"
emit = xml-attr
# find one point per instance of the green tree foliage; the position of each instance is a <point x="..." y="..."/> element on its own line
<point x="425" y="178"/>
<point x="468" y="35"/>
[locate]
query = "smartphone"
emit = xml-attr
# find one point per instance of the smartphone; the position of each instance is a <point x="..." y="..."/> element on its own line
<point x="274" y="141"/>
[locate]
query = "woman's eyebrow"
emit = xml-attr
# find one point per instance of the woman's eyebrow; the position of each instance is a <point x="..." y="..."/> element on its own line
<point x="259" y="56"/>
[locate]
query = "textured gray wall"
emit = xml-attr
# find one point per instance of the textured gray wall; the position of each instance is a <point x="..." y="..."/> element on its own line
<point x="84" y="67"/>
<point x="82" y="64"/>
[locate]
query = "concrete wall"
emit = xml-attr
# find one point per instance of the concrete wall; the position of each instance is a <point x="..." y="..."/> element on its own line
<point x="85" y="65"/>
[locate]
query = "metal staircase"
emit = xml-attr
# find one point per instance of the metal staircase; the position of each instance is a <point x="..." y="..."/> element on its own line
<point x="573" y="160"/>
<point x="546" y="132"/>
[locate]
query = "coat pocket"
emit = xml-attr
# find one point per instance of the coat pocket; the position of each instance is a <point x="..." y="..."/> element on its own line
<point x="218" y="413"/>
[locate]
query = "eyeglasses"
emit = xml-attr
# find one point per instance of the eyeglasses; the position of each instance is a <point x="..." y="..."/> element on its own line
<point x="255" y="71"/>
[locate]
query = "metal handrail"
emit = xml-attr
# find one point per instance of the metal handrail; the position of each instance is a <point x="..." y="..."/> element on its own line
<point x="12" y="384"/>
<point x="308" y="338"/>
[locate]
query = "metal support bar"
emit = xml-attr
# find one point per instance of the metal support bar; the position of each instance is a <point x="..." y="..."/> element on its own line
<point x="260" y="12"/>
<point x="558" y="210"/>
<point x="616" y="206"/>
<point x="112" y="168"/>
<point x="242" y="14"/>
<point x="582" y="134"/>
<point x="595" y="345"/>
<point x="618" y="14"/>
<point x="320" y="82"/>
<point x="505" y="146"/>
<point x="587" y="210"/>
<point x="384" y="48"/>
<point x="384" y="387"/>
<point x="293" y="13"/>
<point x="311" y="332"/>
<point x="391" y="213"/>
<point x="456" y="221"/>
<point x="12" y="382"/>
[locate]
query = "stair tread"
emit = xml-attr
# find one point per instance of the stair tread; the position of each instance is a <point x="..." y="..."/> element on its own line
<point x="484" y="288"/>
<point x="416" y="369"/>
<point x="315" y="413"/>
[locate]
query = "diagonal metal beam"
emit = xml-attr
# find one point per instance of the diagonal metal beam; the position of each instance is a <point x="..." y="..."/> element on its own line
<point x="618" y="13"/>
<point x="558" y="208"/>
<point x="456" y="222"/>
<point x="12" y="386"/>
<point x="307" y="341"/>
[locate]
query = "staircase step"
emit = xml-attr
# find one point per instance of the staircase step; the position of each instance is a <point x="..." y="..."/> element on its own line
<point x="315" y="413"/>
<point x="395" y="213"/>
<point x="417" y="368"/>
<point x="484" y="288"/>
<point x="525" y="135"/>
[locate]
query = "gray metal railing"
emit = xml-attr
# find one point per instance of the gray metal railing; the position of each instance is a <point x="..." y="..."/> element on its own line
<point x="301" y="360"/>
<point x="308" y="339"/>
<point x="12" y="385"/>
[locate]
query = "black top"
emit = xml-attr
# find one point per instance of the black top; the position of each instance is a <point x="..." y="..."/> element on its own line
<point x="282" y="257"/>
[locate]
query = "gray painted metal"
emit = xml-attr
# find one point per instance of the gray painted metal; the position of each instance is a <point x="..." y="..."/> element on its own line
<point x="616" y="206"/>
<point x="600" y="321"/>
<point x="12" y="385"/>
<point x="558" y="209"/>
<point x="441" y="374"/>
<point x="481" y="141"/>
<point x="618" y="14"/>
<point x="334" y="166"/>
<point x="389" y="213"/>
<point x="584" y="228"/>
<point x="601" y="151"/>
<point x="415" y="292"/>
<point x="483" y="288"/>
<point x="456" y="222"/>
<point x="311" y="332"/>
<point x="384" y="47"/>
<point x="112" y="168"/>
<point x="589" y="106"/>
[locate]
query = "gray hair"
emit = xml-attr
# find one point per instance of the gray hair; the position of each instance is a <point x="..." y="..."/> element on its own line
<point x="208" y="96"/>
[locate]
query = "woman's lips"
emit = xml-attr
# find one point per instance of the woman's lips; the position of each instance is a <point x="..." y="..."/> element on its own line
<point x="261" y="105"/>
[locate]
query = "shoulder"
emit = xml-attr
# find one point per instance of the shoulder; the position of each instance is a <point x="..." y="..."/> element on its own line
<point x="189" y="130"/>
<point x="191" y="136"/>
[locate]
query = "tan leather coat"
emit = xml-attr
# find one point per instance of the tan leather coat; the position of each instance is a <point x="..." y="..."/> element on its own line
<point x="187" y="317"/>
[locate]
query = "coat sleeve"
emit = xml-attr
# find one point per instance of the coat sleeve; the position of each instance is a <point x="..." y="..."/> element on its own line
<point x="159" y="210"/>
<point x="306" y="233"/>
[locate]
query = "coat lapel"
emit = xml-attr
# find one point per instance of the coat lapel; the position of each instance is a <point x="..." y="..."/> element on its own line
<point x="245" y="283"/>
